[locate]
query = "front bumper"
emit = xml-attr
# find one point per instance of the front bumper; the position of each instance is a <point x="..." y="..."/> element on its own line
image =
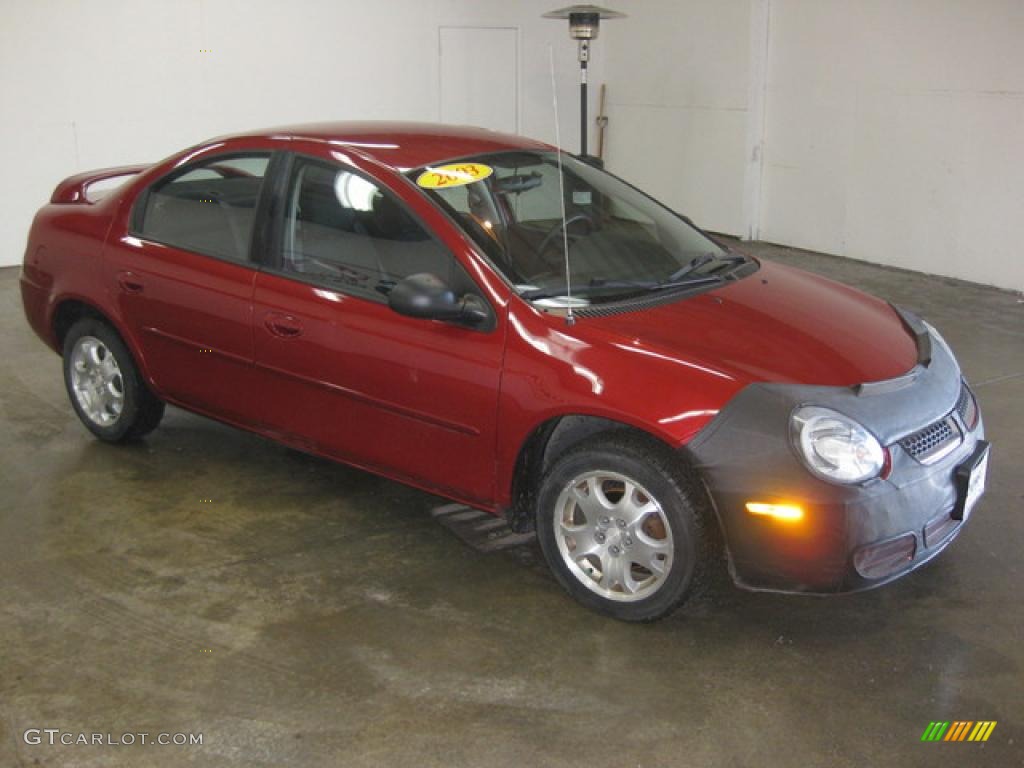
<point x="850" y="537"/>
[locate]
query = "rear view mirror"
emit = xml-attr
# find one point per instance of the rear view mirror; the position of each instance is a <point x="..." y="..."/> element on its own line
<point x="519" y="183"/>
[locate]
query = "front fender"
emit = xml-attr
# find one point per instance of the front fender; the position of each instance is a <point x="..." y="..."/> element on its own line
<point x="552" y="369"/>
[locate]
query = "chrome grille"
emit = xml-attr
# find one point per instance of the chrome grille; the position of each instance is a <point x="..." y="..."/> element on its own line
<point x="930" y="444"/>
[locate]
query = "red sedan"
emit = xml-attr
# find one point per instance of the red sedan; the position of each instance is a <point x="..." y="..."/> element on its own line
<point x="485" y="318"/>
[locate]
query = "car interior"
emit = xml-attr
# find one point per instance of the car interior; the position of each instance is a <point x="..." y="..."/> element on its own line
<point x="209" y="210"/>
<point x="366" y="241"/>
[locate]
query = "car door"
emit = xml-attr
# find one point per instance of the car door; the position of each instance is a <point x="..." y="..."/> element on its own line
<point x="343" y="374"/>
<point x="183" y="281"/>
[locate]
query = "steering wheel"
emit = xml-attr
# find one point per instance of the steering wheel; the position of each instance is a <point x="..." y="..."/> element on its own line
<point x="563" y="224"/>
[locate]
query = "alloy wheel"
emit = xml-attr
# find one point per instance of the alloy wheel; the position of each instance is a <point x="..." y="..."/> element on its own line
<point x="96" y="381"/>
<point x="613" y="536"/>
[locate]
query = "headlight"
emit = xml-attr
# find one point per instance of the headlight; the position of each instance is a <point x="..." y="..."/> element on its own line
<point x="835" y="447"/>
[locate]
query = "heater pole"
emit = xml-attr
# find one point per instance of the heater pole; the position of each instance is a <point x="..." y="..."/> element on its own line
<point x="583" y="110"/>
<point x="584" y="58"/>
<point x="584" y="22"/>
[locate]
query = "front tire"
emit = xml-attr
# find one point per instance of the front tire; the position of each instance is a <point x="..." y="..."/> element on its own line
<point x="622" y="524"/>
<point x="104" y="384"/>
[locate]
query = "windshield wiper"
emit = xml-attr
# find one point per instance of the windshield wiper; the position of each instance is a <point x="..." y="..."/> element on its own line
<point x="699" y="261"/>
<point x="637" y="286"/>
<point x="681" y="278"/>
<point x="585" y="288"/>
<point x="688" y="282"/>
<point x="695" y="263"/>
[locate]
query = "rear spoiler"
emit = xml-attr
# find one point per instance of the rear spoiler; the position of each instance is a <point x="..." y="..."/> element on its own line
<point x="74" y="188"/>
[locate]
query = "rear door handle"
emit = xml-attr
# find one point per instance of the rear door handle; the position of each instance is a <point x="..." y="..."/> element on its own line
<point x="130" y="282"/>
<point x="285" y="326"/>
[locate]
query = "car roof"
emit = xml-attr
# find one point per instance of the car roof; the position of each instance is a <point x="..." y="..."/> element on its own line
<point x="401" y="145"/>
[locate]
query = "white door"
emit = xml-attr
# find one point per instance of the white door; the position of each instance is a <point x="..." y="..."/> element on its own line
<point x="479" y="77"/>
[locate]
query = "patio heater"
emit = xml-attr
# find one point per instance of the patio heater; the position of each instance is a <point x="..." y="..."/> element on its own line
<point x="584" y="22"/>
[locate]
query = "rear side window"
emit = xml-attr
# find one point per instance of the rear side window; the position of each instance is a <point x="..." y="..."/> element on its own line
<point x="209" y="208"/>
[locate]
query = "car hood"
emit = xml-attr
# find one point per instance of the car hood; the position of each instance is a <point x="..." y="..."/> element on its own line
<point x="779" y="324"/>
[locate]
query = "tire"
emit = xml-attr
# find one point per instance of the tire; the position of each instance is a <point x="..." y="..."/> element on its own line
<point x="640" y="518"/>
<point x="104" y="384"/>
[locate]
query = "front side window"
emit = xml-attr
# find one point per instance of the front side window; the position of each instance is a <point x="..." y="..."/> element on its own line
<point x="620" y="241"/>
<point x="209" y="208"/>
<point x="345" y="232"/>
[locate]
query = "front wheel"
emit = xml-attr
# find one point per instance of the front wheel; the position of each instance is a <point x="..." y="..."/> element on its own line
<point x="622" y="524"/>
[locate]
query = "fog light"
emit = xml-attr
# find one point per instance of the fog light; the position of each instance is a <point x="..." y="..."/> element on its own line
<point x="788" y="512"/>
<point x="882" y="559"/>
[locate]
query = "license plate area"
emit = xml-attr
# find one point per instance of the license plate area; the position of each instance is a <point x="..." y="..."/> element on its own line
<point x="970" y="478"/>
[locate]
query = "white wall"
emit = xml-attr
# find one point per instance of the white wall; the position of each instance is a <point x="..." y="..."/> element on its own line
<point x="895" y="133"/>
<point x="94" y="83"/>
<point x="892" y="131"/>
<point x="677" y="75"/>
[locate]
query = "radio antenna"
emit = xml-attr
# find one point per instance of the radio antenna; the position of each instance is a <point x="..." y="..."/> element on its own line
<point x="570" y="318"/>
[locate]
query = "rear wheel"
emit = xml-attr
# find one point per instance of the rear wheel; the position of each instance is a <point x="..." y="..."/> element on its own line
<point x="622" y="525"/>
<point x="104" y="384"/>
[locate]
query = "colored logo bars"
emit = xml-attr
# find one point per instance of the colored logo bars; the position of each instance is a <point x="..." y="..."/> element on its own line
<point x="959" y="730"/>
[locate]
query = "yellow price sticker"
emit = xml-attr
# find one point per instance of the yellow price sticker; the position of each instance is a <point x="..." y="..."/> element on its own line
<point x="453" y="175"/>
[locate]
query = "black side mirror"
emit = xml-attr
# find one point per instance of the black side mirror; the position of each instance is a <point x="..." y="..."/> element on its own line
<point x="428" y="296"/>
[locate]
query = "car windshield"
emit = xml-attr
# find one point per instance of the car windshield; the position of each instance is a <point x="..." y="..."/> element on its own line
<point x="620" y="241"/>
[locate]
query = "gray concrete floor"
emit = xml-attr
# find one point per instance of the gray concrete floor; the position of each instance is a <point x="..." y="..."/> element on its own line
<point x="300" y="613"/>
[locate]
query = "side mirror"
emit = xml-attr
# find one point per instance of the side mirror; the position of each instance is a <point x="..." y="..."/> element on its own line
<point x="429" y="297"/>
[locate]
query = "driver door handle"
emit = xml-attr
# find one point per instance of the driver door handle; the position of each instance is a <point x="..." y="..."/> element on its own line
<point x="130" y="282"/>
<point x="282" y="325"/>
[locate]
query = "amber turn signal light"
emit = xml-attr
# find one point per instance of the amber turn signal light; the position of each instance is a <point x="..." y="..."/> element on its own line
<point x="788" y="512"/>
